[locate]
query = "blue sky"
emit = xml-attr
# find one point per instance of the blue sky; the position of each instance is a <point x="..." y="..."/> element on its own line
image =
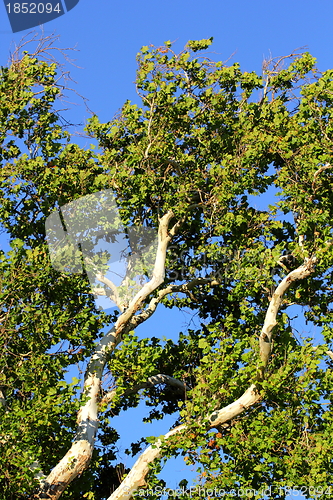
<point x="108" y="34"/>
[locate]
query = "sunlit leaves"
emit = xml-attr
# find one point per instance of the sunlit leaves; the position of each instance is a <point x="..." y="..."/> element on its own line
<point x="206" y="138"/>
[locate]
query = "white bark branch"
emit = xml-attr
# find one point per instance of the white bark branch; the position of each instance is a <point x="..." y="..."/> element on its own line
<point x="99" y="291"/>
<point x="113" y="290"/>
<point x="2" y="399"/>
<point x="164" y="238"/>
<point x="140" y="469"/>
<point x="136" y="477"/>
<point x="265" y="339"/>
<point x="321" y="169"/>
<point x="249" y="398"/>
<point x="77" y="458"/>
<point x="330" y="354"/>
<point x="113" y="293"/>
<point x="185" y="288"/>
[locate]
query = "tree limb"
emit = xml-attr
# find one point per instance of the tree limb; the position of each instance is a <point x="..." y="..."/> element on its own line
<point x="164" y="239"/>
<point x="265" y="338"/>
<point x="184" y="288"/>
<point x="2" y="399"/>
<point x="136" y="477"/>
<point x="150" y="382"/>
<point x="78" y="457"/>
<point x="113" y="293"/>
<point x="321" y="169"/>
<point x="140" y="469"/>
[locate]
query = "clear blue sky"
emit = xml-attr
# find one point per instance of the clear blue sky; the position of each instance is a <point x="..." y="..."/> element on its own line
<point x="108" y="34"/>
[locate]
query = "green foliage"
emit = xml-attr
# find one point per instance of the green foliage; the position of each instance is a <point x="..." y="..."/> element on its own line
<point x="205" y="139"/>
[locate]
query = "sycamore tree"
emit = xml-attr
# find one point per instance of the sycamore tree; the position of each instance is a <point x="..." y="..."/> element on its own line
<point x="251" y="397"/>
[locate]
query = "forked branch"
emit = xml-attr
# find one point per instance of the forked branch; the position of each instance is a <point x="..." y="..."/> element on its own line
<point x="78" y="457"/>
<point x="136" y="477"/>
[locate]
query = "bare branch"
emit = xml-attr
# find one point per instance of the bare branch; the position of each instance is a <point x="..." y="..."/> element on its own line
<point x="151" y="382"/>
<point x="44" y="48"/>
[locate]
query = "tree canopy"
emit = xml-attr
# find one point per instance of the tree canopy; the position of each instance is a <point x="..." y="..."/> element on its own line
<point x="251" y="396"/>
